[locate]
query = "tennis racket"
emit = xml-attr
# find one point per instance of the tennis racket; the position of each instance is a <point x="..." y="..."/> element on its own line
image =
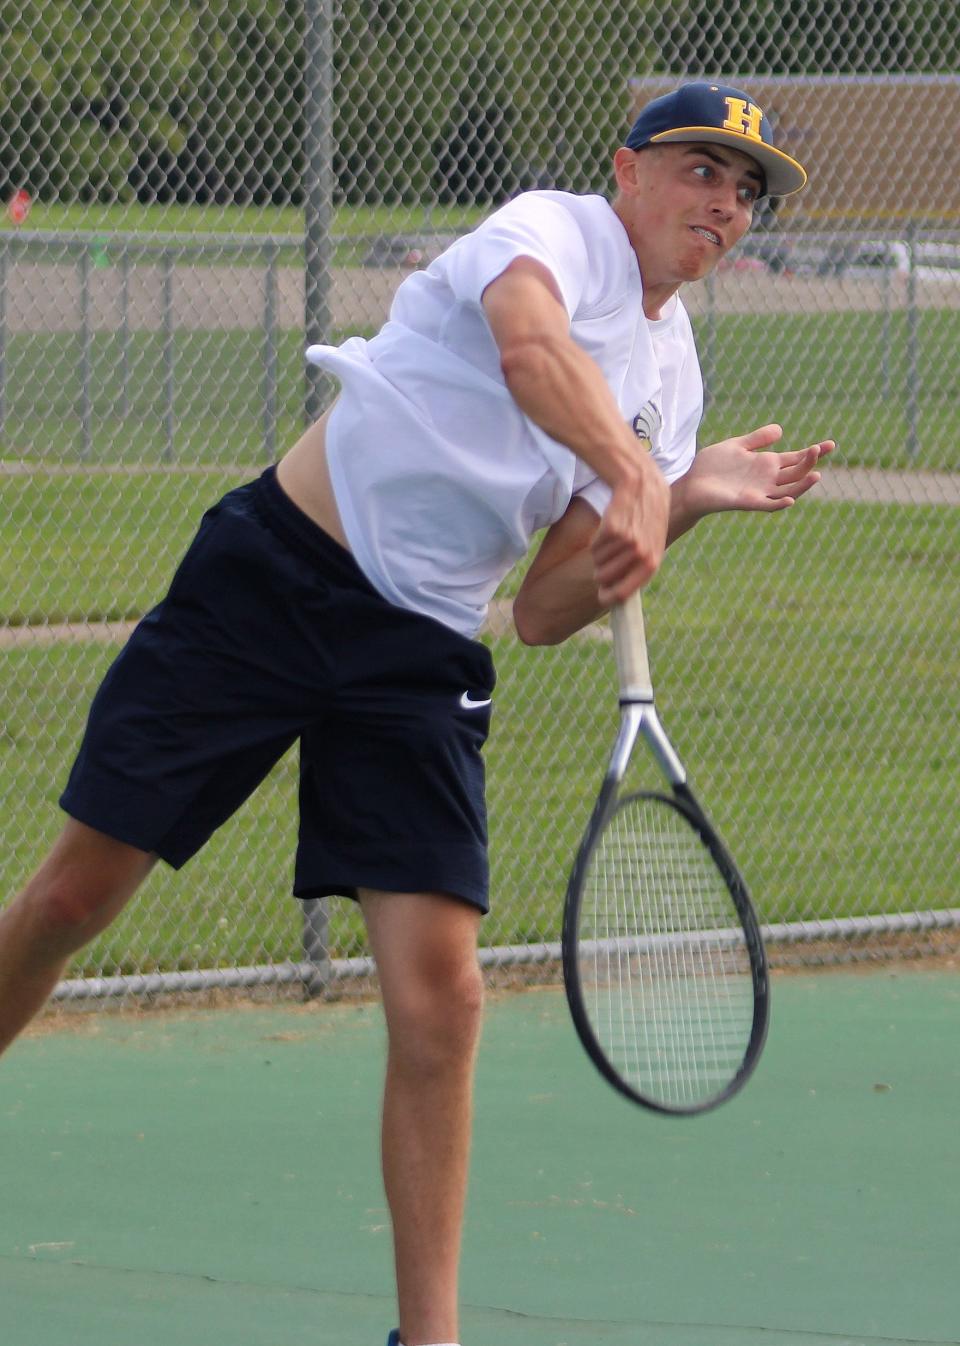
<point x="663" y="960"/>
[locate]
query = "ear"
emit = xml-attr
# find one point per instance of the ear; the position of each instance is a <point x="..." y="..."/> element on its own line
<point x="625" y="167"/>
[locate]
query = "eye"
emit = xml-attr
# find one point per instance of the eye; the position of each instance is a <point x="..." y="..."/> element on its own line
<point x="748" y="195"/>
<point x="704" y="170"/>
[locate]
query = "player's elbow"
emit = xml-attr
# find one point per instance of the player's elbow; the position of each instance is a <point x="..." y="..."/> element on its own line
<point x="536" y="626"/>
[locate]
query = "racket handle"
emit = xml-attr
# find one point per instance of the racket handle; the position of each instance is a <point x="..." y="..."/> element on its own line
<point x="630" y="648"/>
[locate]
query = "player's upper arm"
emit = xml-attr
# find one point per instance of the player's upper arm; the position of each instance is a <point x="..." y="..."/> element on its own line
<point x="524" y="303"/>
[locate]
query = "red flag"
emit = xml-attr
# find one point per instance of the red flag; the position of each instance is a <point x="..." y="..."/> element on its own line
<point x="19" y="206"/>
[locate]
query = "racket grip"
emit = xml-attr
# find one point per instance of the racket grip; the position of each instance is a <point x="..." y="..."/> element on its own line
<point x="630" y="648"/>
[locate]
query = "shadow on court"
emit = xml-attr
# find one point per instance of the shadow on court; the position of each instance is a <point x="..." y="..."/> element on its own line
<point x="212" y="1176"/>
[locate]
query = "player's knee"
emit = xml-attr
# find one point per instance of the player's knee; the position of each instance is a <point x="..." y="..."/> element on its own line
<point x="65" y="906"/>
<point x="467" y="996"/>
<point x="59" y="906"/>
<point x="87" y="878"/>
<point x="438" y="1024"/>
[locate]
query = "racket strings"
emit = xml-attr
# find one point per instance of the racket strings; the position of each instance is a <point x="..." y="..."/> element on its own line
<point x="664" y="965"/>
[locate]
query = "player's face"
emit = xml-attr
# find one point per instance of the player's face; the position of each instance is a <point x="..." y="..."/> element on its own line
<point x="684" y="207"/>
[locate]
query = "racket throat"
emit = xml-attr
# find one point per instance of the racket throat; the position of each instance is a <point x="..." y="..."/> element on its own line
<point x="662" y="748"/>
<point x="640" y="717"/>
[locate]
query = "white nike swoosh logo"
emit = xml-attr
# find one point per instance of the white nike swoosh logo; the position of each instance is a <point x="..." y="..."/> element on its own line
<point x="468" y="702"/>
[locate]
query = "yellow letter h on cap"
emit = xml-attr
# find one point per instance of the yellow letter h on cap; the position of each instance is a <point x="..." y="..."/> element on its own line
<point x="743" y="117"/>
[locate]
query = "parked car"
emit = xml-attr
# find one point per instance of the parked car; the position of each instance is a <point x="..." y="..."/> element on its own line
<point x="874" y="258"/>
<point x="411" y="251"/>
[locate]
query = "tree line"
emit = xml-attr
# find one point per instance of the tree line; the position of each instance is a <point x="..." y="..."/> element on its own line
<point x="201" y="100"/>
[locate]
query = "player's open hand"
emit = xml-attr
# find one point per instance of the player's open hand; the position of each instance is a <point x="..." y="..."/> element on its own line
<point x="741" y="473"/>
<point x="629" y="544"/>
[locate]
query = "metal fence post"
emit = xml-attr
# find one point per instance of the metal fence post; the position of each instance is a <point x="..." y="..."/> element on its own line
<point x="913" y="348"/>
<point x="86" y="341"/>
<point x="316" y="945"/>
<point x="270" y="285"/>
<point x="169" y="355"/>
<point x="886" y="332"/>
<point x="318" y="215"/>
<point x="4" y="260"/>
<point x="318" y="180"/>
<point x="124" y="330"/>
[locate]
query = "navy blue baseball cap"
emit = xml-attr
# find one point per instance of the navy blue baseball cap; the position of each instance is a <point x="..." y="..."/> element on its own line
<point x="716" y="114"/>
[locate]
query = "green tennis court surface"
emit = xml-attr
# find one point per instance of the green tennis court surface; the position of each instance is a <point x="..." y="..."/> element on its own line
<point x="212" y="1176"/>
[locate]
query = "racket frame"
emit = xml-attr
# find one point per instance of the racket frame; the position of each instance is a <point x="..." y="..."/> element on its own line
<point x="638" y="716"/>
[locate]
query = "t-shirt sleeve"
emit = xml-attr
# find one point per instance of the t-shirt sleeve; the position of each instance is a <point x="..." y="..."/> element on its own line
<point x="675" y="458"/>
<point x="684" y="448"/>
<point x="529" y="226"/>
<point x="596" y="493"/>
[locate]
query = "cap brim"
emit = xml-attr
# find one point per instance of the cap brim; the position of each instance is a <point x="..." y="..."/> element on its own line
<point x="783" y="175"/>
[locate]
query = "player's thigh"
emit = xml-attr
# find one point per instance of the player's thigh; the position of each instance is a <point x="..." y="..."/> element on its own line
<point x="425" y="947"/>
<point x="209" y="692"/>
<point x="393" y="796"/>
<point x="425" y="934"/>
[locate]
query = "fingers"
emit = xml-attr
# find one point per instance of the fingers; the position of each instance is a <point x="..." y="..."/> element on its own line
<point x="794" y="480"/>
<point x="615" y="583"/>
<point x="810" y="455"/>
<point x="793" y="466"/>
<point x="766" y="435"/>
<point x="622" y="565"/>
<point x="762" y="438"/>
<point x="801" y="458"/>
<point x="801" y="487"/>
<point x="796" y="475"/>
<point x="629" y="544"/>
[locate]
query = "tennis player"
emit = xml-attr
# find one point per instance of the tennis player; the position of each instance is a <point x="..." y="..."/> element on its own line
<point x="539" y="377"/>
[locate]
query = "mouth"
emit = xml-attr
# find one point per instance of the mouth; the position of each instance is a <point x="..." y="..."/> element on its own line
<point x="710" y="235"/>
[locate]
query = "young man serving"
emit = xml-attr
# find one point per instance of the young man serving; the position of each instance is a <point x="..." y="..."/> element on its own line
<point x="540" y="377"/>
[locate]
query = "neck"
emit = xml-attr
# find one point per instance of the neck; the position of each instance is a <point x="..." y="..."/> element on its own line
<point x="656" y="297"/>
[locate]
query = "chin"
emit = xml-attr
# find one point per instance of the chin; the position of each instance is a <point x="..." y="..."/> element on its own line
<point x="702" y="265"/>
<point x="697" y="269"/>
<point x="711" y="264"/>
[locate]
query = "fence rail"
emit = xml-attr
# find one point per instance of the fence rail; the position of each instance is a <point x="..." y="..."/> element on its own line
<point x="95" y="286"/>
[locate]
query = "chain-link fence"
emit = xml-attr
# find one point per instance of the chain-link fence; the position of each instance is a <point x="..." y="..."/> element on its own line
<point x="192" y="192"/>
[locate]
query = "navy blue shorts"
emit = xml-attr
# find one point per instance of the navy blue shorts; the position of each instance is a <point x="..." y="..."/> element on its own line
<point x="270" y="633"/>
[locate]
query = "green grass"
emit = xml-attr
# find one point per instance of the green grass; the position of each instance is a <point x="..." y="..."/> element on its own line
<point x="889" y="399"/>
<point x="351" y="228"/>
<point x="808" y="663"/>
<point x="805" y="667"/>
<point x="840" y="376"/>
<point x="218" y="402"/>
<point x="97" y="547"/>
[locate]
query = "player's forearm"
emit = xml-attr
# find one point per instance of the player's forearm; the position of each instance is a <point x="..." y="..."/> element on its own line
<point x="559" y="596"/>
<point x="683" y="512"/>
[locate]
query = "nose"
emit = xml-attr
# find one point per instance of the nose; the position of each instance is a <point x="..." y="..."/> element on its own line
<point x="724" y="203"/>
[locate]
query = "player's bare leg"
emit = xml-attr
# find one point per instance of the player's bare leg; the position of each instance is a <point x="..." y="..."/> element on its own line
<point x="85" y="882"/>
<point x="426" y="952"/>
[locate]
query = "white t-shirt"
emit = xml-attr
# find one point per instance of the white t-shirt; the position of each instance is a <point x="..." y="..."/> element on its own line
<point x="440" y="479"/>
